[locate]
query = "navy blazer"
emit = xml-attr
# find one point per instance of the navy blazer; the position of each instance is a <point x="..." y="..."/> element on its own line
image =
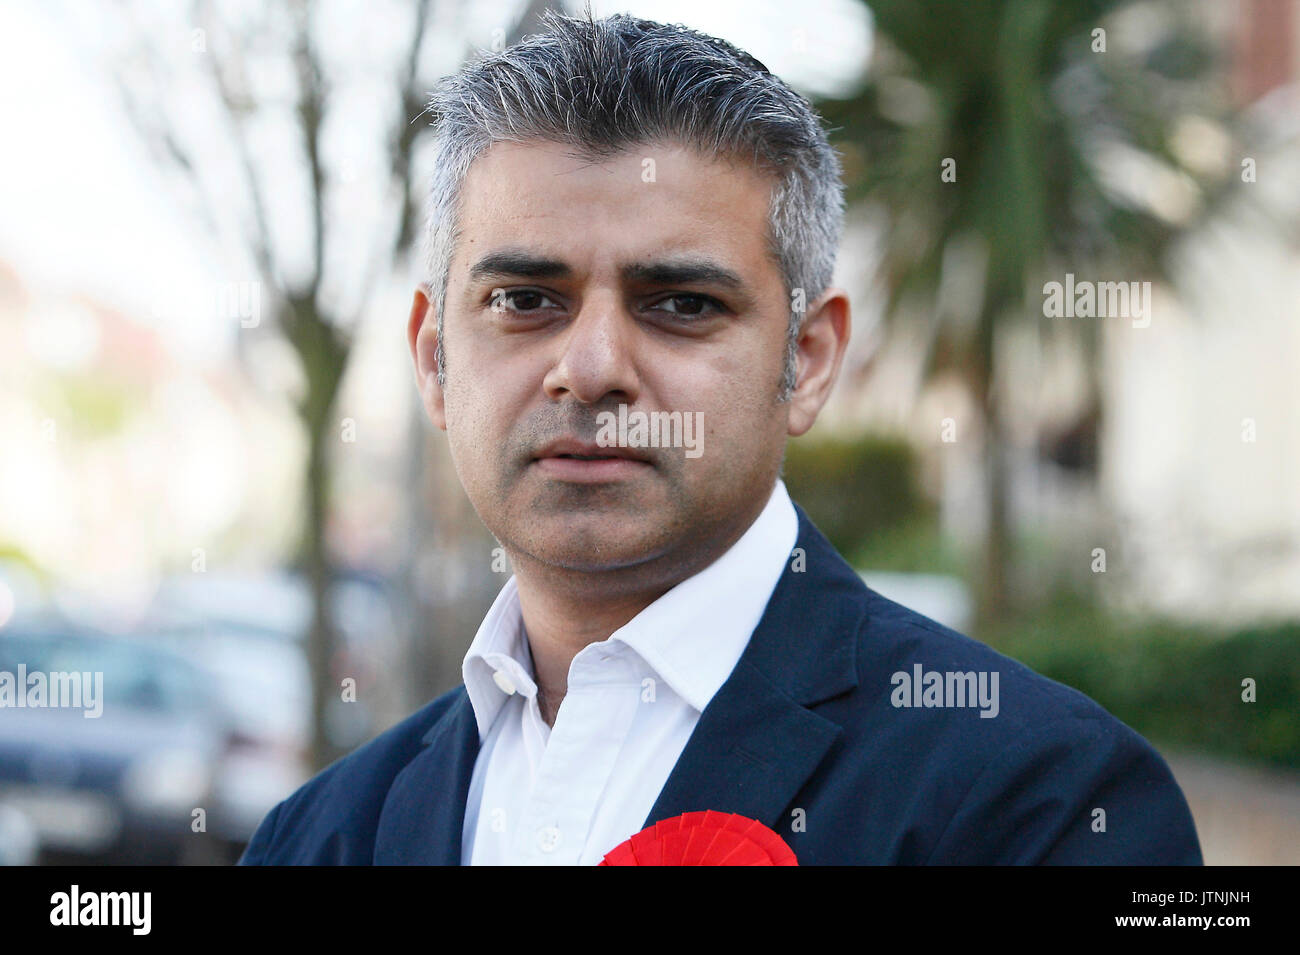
<point x="809" y="735"/>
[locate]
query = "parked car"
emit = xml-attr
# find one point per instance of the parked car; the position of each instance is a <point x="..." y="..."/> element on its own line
<point x="248" y="632"/>
<point x="123" y="776"/>
<point x="264" y="685"/>
<point x="208" y="706"/>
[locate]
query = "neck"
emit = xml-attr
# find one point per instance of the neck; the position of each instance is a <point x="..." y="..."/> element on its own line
<point x="561" y="623"/>
<point x="565" y="610"/>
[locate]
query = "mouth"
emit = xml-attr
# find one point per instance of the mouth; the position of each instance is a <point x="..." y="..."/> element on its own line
<point x="584" y="463"/>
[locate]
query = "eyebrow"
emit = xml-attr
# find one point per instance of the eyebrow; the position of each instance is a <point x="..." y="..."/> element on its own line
<point x="679" y="270"/>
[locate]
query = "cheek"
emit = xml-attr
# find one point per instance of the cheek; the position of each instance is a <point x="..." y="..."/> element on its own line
<point x="483" y="407"/>
<point x="736" y="390"/>
<point x="468" y="424"/>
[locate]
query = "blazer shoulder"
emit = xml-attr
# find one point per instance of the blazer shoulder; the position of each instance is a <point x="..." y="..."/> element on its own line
<point x="930" y="667"/>
<point x="331" y="819"/>
<point x="1019" y="763"/>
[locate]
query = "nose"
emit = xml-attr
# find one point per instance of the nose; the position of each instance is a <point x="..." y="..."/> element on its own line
<point x="596" y="360"/>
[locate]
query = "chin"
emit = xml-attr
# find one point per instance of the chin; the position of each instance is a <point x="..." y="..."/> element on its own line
<point x="597" y="543"/>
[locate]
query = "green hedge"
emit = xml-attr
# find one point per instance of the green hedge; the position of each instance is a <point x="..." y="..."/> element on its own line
<point x="854" y="489"/>
<point x="1170" y="682"/>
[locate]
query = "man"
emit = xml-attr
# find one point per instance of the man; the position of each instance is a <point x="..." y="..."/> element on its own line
<point x="632" y="234"/>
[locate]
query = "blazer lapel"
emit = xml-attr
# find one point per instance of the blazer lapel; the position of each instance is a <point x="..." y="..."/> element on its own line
<point x="757" y="741"/>
<point x="424" y="812"/>
<point x="750" y="753"/>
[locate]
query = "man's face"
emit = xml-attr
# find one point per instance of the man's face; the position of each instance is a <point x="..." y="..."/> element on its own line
<point x="577" y="287"/>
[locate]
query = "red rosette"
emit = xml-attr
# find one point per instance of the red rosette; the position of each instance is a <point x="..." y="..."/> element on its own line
<point x="703" y="838"/>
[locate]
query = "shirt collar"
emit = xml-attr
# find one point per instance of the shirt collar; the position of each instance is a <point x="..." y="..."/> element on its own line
<point x="498" y="659"/>
<point x="692" y="636"/>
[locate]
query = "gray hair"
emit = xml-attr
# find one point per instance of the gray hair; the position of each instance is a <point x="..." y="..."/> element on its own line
<point x="602" y="86"/>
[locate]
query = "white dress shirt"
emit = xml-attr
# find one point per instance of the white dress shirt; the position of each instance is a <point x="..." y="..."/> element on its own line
<point x="568" y="794"/>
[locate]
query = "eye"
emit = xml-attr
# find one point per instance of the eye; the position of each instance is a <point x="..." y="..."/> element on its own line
<point x="696" y="306"/>
<point x="522" y="301"/>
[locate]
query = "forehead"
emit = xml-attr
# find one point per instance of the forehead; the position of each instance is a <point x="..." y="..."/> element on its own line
<point x="651" y="198"/>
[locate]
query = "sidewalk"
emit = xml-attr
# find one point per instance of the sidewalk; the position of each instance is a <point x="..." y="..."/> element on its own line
<point x="1244" y="815"/>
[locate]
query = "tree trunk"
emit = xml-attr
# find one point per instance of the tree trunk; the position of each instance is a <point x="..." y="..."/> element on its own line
<point x="994" y="597"/>
<point x="993" y="585"/>
<point x="323" y="353"/>
<point x="322" y="640"/>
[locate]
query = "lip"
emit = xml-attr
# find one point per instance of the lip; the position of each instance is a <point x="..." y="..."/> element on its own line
<point x="610" y="464"/>
<point x="572" y="446"/>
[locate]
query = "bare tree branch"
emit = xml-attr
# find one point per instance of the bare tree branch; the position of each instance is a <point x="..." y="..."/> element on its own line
<point x="311" y="114"/>
<point x="259" y="239"/>
<point x="402" y="159"/>
<point x="408" y="128"/>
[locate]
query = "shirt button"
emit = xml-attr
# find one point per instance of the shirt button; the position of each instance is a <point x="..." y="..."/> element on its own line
<point x="548" y="838"/>
<point x="500" y="679"/>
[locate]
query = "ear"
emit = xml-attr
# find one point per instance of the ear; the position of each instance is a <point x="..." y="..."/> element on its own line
<point x="422" y="336"/>
<point x="823" y="338"/>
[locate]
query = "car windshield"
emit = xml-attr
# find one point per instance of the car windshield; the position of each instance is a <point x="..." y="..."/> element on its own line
<point x="133" y="676"/>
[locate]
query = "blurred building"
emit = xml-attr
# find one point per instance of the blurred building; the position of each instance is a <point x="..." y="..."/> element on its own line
<point x="125" y="459"/>
<point x="1201" y="453"/>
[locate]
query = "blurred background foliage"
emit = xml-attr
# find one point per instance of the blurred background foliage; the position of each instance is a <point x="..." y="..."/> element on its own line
<point x="856" y="489"/>
<point x="1018" y="101"/>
